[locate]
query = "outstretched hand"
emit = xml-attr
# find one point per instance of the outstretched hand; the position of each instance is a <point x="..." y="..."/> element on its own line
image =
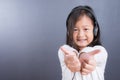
<point x="71" y="60"/>
<point x="88" y="62"/>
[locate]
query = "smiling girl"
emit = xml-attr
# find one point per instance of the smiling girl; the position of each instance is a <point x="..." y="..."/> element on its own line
<point x="82" y="57"/>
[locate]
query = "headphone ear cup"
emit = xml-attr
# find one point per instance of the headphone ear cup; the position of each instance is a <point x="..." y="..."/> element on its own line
<point x="95" y="31"/>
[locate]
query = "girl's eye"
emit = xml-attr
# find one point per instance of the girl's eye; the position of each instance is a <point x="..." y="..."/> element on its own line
<point x="75" y="29"/>
<point x="86" y="29"/>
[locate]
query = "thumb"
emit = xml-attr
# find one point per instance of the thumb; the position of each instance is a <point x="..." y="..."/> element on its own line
<point x="94" y="52"/>
<point x="67" y="52"/>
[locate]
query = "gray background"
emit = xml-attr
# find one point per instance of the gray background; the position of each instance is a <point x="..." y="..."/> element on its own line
<point x="31" y="32"/>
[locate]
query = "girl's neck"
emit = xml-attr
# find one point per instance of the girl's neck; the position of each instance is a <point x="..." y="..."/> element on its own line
<point x="78" y="48"/>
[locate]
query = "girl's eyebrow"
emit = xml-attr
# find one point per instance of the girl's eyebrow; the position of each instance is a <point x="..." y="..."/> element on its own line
<point x="84" y="26"/>
<point x="75" y="27"/>
<point x="87" y="26"/>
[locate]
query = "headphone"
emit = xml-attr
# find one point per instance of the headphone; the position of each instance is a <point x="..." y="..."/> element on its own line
<point x="95" y="30"/>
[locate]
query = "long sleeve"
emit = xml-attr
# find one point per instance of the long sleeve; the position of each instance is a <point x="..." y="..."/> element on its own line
<point x="66" y="73"/>
<point x="101" y="59"/>
<point x="97" y="74"/>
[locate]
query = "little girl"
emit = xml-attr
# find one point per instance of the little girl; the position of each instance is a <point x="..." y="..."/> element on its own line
<point x="82" y="57"/>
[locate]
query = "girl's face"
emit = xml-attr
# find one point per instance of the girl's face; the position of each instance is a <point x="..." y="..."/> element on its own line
<point x="83" y="32"/>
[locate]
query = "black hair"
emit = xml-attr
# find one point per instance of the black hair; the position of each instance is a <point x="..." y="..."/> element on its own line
<point x="73" y="18"/>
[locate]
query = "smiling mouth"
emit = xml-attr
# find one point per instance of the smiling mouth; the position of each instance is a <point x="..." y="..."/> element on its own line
<point x="81" y="40"/>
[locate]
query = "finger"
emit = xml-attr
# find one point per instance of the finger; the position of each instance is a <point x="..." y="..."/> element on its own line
<point x="94" y="52"/>
<point x="70" y="57"/>
<point x="85" y="71"/>
<point x="92" y="62"/>
<point x="73" y="67"/>
<point x="68" y="52"/>
<point x="88" y="66"/>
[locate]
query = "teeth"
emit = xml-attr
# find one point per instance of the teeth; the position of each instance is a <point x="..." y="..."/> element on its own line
<point x="81" y="39"/>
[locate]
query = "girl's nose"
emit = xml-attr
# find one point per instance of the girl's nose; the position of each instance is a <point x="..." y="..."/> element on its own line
<point x="81" y="33"/>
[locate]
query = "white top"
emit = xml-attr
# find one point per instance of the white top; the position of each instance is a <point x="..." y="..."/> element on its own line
<point x="97" y="74"/>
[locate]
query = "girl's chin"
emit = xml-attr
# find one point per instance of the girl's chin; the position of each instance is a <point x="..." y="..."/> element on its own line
<point x="82" y="45"/>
